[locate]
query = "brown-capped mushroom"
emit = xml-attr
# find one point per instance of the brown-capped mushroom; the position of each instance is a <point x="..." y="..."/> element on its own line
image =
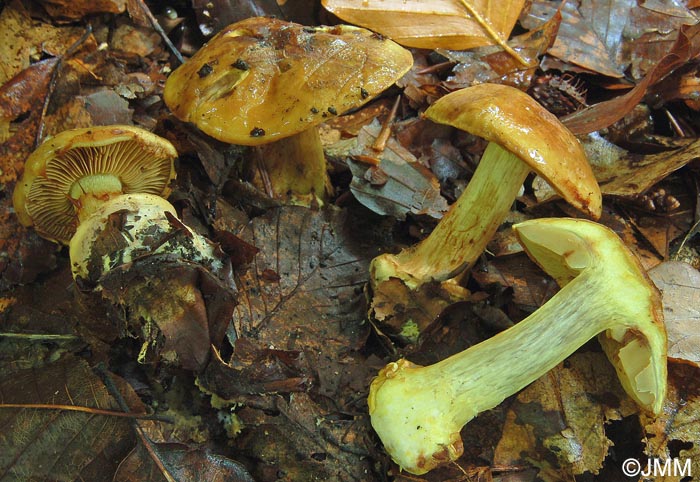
<point x="263" y="81"/>
<point x="523" y="137"/>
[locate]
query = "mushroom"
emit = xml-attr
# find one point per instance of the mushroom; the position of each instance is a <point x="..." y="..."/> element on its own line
<point x="523" y="137"/>
<point x="264" y="81"/>
<point x="101" y="191"/>
<point x="418" y="411"/>
<point x="76" y="182"/>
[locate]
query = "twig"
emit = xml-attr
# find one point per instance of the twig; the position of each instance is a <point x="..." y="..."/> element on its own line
<point x="38" y="336"/>
<point x="380" y="142"/>
<point x="54" y="79"/>
<point x="492" y="33"/>
<point x="147" y="443"/>
<point x="156" y="26"/>
<point x="95" y="411"/>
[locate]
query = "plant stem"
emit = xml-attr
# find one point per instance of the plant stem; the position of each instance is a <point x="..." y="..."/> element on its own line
<point x="463" y="233"/>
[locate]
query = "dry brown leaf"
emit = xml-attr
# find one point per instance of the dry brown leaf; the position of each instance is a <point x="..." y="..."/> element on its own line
<point x="433" y="24"/>
<point x="679" y="284"/>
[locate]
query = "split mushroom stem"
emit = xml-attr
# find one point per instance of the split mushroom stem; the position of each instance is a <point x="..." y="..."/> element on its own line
<point x="418" y="411"/>
<point x="523" y="137"/>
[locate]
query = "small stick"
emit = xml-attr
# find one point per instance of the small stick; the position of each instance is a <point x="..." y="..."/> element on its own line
<point x="95" y="411"/>
<point x="54" y="79"/>
<point x="156" y="26"/>
<point x="380" y="142"/>
<point x="492" y="33"/>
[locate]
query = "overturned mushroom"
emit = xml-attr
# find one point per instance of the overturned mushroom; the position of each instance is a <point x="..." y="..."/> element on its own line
<point x="101" y="191"/>
<point x="418" y="411"/>
<point x="523" y="137"/>
<point x="263" y="81"/>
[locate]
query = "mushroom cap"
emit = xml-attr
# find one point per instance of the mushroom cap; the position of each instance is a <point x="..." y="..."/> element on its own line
<point x="263" y="79"/>
<point x="142" y="161"/>
<point x="637" y="346"/>
<point x="514" y="120"/>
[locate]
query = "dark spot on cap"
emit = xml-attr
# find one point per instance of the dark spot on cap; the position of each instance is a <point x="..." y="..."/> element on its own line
<point x="332" y="110"/>
<point x="257" y="132"/>
<point x="363" y="93"/>
<point x="240" y="64"/>
<point x="314" y="110"/>
<point x="205" y="70"/>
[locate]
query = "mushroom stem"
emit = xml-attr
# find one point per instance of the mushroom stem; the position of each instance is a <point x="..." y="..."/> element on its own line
<point x="129" y="226"/>
<point x="296" y="167"/>
<point x="463" y="233"/>
<point x="90" y="192"/>
<point x="418" y="412"/>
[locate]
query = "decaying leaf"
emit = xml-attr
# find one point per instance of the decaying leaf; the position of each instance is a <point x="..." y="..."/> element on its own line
<point x="624" y="174"/>
<point x="77" y="9"/>
<point x="558" y="423"/>
<point x="577" y="41"/>
<point x="674" y="434"/>
<point x="181" y="462"/>
<point x="405" y="186"/>
<point x="434" y="24"/>
<point x="679" y="284"/>
<point x="486" y="65"/>
<point x="56" y="444"/>
<point x="294" y="436"/>
<point x="603" y="114"/>
<point x="304" y="289"/>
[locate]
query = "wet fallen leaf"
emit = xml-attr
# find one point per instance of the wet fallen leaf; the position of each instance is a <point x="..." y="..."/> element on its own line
<point x="530" y="287"/>
<point x="77" y="9"/>
<point x="253" y="369"/>
<point x="577" y="40"/>
<point x="486" y="65"/>
<point x="315" y="302"/>
<point x="295" y="439"/>
<point x="23" y="93"/>
<point x="435" y="24"/>
<point x="679" y="284"/>
<point x="625" y="174"/>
